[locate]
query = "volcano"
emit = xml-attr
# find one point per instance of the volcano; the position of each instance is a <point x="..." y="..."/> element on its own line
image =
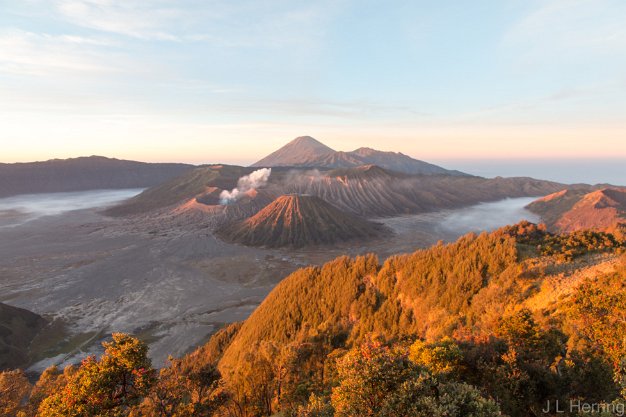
<point x="365" y="191"/>
<point x="297" y="221"/>
<point x="307" y="152"/>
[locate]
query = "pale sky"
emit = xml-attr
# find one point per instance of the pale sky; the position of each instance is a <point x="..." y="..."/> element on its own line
<point x="230" y="81"/>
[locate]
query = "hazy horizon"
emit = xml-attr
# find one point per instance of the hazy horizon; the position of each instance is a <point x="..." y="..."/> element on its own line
<point x="569" y="171"/>
<point x="177" y="80"/>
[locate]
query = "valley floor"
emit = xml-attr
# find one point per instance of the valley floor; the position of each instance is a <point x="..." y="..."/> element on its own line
<point x="172" y="284"/>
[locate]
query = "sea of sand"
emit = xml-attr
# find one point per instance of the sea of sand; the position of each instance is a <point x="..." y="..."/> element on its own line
<point x="171" y="284"/>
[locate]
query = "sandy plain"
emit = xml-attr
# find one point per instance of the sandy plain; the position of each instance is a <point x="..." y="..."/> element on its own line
<point x="171" y="282"/>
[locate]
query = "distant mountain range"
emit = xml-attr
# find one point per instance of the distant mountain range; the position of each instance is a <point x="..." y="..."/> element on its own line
<point x="316" y="196"/>
<point x="367" y="191"/>
<point x="307" y="152"/>
<point x="84" y="173"/>
<point x="97" y="172"/>
<point x="300" y="207"/>
<point x="349" y="186"/>
<point x="569" y="210"/>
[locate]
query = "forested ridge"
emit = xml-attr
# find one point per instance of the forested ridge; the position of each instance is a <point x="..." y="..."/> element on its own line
<point x="501" y="323"/>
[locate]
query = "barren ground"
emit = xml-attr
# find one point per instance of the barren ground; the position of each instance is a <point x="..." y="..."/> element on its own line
<point x="173" y="285"/>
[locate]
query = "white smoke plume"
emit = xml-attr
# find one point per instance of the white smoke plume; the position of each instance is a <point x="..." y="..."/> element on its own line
<point x="246" y="183"/>
<point x="297" y="177"/>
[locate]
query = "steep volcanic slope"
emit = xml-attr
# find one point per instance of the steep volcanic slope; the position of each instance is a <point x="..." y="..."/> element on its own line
<point x="302" y="151"/>
<point x="567" y="211"/>
<point x="298" y="221"/>
<point x="371" y="191"/>
<point x="18" y="327"/>
<point x="308" y="152"/>
<point x="367" y="191"/>
<point x="86" y="173"/>
<point x="202" y="183"/>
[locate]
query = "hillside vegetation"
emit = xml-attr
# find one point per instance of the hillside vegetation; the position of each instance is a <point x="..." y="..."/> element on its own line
<point x="501" y="323"/>
<point x="456" y="290"/>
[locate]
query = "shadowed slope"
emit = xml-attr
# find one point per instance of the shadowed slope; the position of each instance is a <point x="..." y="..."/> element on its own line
<point x="18" y="327"/>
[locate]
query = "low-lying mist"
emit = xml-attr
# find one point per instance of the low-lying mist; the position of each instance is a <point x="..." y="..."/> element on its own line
<point x="20" y="209"/>
<point x="422" y="230"/>
<point x="488" y="216"/>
